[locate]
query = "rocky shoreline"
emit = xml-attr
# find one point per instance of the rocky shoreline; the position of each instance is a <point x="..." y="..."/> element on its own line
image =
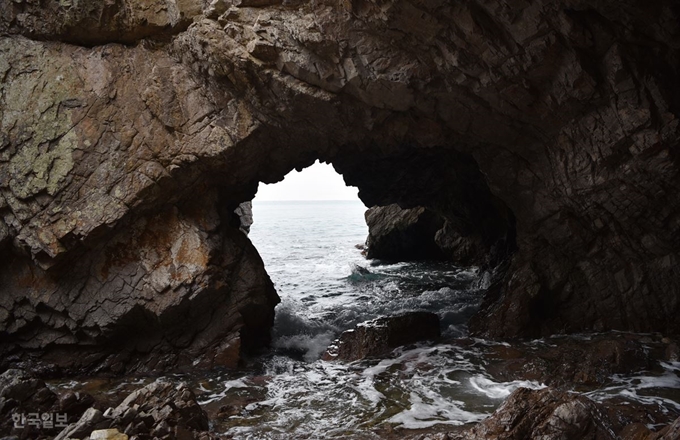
<point x="568" y="367"/>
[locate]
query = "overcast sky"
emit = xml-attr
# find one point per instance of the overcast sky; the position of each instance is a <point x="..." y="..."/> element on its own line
<point x="317" y="182"/>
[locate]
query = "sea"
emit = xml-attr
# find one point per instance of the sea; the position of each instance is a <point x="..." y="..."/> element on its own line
<point x="313" y="252"/>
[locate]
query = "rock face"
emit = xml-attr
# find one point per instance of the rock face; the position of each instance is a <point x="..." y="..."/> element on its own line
<point x="545" y="129"/>
<point x="397" y="234"/>
<point x="382" y="335"/>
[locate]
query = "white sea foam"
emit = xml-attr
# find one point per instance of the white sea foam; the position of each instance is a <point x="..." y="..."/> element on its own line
<point x="433" y="411"/>
<point x="501" y="390"/>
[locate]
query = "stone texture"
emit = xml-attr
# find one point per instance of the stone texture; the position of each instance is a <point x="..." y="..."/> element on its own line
<point x="546" y="414"/>
<point x="574" y="362"/>
<point x="108" y="434"/>
<point x="382" y="335"/>
<point x="552" y="414"/>
<point x="545" y="129"/>
<point x="24" y="397"/>
<point x="21" y="394"/>
<point x="162" y="409"/>
<point x="397" y="234"/>
<point x="245" y="216"/>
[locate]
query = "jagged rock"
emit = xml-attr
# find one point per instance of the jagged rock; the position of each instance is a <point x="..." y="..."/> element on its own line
<point x="545" y="129"/>
<point x="245" y="215"/>
<point x="551" y="414"/>
<point x="546" y="414"/>
<point x="161" y="409"/>
<point x="670" y="432"/>
<point x="397" y="234"/>
<point x="75" y="403"/>
<point x="21" y="394"/>
<point x="382" y="335"/>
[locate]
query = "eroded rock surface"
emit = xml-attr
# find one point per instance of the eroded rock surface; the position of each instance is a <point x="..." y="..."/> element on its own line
<point x="162" y="409"/>
<point x="397" y="234"/>
<point x="551" y="414"/>
<point x="29" y="409"/>
<point x="547" y="129"/>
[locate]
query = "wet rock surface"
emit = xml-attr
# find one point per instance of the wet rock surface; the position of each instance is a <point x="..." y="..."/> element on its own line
<point x="552" y="414"/>
<point x="29" y="409"/>
<point x="382" y="335"/>
<point x="545" y="414"/>
<point x="396" y="234"/>
<point x="162" y="409"/>
<point x="573" y="362"/>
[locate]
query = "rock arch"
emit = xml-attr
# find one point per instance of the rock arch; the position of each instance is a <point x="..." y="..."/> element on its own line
<point x="553" y="123"/>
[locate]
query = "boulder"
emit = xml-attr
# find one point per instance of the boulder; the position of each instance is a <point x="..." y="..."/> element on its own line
<point x="108" y="434"/>
<point x="382" y="335"/>
<point x="552" y="414"/>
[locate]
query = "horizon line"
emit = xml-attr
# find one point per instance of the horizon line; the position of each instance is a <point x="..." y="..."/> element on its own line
<point x="310" y="200"/>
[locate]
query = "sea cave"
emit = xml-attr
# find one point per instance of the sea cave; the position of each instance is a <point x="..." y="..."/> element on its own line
<point x="535" y="141"/>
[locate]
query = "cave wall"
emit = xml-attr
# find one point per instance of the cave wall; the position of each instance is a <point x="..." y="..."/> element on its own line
<point x="111" y="114"/>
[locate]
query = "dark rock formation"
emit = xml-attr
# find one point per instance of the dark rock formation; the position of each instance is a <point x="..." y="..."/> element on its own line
<point x="577" y="362"/>
<point x="25" y="400"/>
<point x="21" y="394"/>
<point x="546" y="414"/>
<point x="546" y="127"/>
<point x="551" y="414"/>
<point x="245" y="216"/>
<point x="162" y="409"/>
<point x="397" y="234"/>
<point x="382" y="335"/>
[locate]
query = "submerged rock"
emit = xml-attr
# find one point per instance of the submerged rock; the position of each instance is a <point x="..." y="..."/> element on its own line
<point x="380" y="336"/>
<point x="579" y="361"/>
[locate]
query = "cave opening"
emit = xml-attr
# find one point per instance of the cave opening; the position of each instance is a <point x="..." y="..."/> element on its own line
<point x="336" y="264"/>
